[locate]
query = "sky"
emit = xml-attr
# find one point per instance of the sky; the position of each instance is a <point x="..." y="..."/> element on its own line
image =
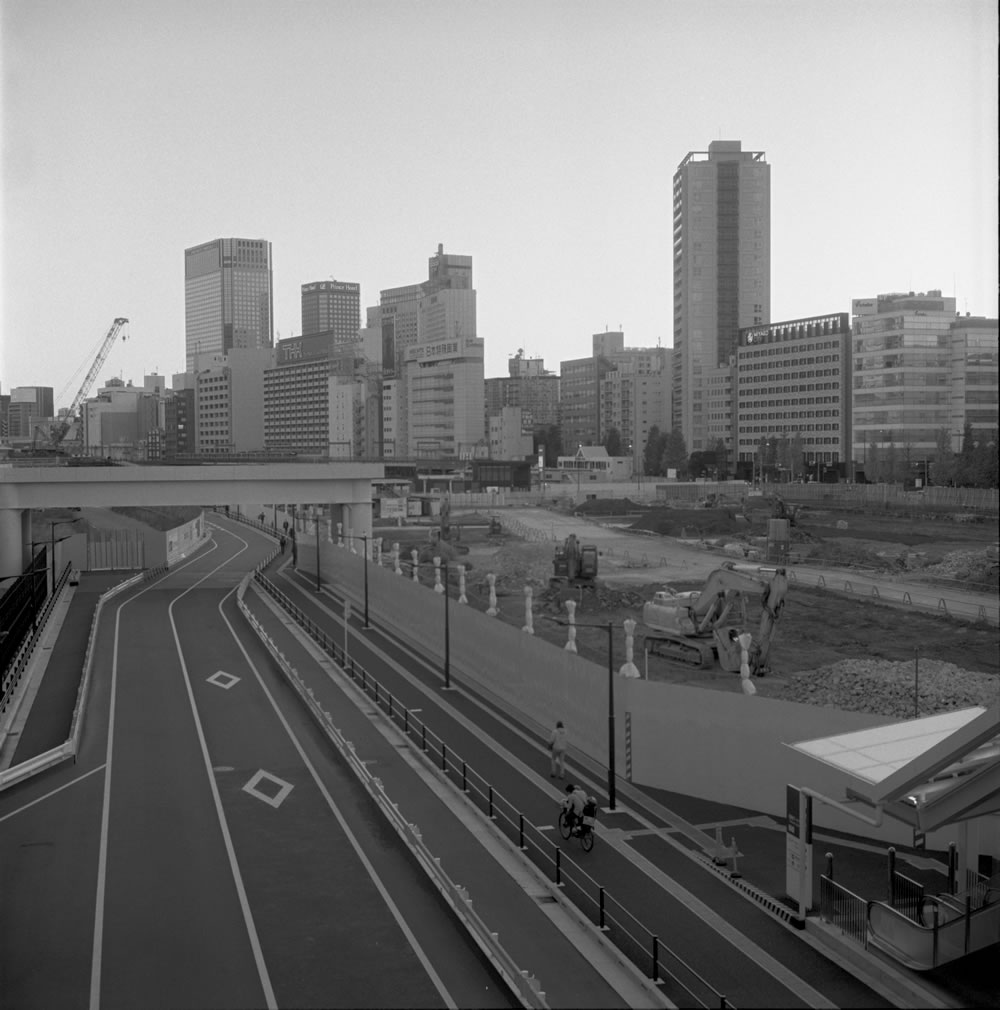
<point x="539" y="137"/>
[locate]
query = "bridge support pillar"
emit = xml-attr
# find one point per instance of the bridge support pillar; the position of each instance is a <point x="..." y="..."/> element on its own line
<point x="15" y="540"/>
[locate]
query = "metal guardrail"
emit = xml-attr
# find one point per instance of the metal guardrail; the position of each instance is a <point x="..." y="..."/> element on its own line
<point x="638" y="943"/>
<point x="844" y="909"/>
<point x="22" y="658"/>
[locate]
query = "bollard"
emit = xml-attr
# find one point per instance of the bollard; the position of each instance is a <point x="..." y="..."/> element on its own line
<point x="406" y="721"/>
<point x="558" y="867"/>
<point x="829" y="865"/>
<point x="520" y="831"/>
<point x="465" y="787"/>
<point x="444" y="757"/>
<point x="656" y="958"/>
<point x="390" y="707"/>
<point x="600" y="905"/>
<point x="492" y="818"/>
<point x="423" y="736"/>
<point x="376" y="692"/>
<point x="952" y="868"/>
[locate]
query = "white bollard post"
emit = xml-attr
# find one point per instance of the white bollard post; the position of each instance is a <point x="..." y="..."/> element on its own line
<point x="377" y="549"/>
<point x="629" y="669"/>
<point x="340" y="534"/>
<point x="414" y="555"/>
<point x="492" y="609"/>
<point x="462" y="598"/>
<point x="745" y="682"/>
<point x="528" y="627"/>
<point x="438" y="588"/>
<point x="395" y="559"/>
<point x="570" y="645"/>
<point x="352" y="539"/>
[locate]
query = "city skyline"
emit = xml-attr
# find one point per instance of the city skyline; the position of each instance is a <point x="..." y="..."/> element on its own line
<point x="548" y="158"/>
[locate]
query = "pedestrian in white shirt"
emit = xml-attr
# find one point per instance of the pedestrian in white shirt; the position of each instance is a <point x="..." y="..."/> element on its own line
<point x="557" y="751"/>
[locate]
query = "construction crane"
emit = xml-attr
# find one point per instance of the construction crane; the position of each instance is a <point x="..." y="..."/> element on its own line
<point x="60" y="427"/>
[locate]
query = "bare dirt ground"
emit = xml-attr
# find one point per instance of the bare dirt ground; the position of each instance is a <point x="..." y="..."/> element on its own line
<point x="828" y="649"/>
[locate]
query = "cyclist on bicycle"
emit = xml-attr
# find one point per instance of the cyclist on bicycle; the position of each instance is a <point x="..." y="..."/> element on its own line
<point x="573" y="804"/>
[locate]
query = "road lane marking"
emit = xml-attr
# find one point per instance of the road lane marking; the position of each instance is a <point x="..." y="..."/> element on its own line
<point x="234" y="866"/>
<point x="284" y="788"/>
<point x="222" y="679"/>
<point x="411" y="938"/>
<point x="59" y="789"/>
<point x="102" y="858"/>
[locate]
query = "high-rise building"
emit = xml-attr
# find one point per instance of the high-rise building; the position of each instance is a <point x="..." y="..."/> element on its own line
<point x="228" y="297"/>
<point x="793" y="397"/>
<point x="332" y="307"/>
<point x="722" y="275"/>
<point x="920" y="373"/>
<point x="432" y="363"/>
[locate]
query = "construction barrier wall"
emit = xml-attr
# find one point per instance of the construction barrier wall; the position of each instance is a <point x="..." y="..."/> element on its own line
<point x="723" y="746"/>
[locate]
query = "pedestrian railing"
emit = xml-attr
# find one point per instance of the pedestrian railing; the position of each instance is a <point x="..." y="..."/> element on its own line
<point x="844" y="909"/>
<point x="680" y="982"/>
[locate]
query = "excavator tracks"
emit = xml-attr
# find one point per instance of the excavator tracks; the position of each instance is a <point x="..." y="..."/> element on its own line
<point x="689" y="651"/>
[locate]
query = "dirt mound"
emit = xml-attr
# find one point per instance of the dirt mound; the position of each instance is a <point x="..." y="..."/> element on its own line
<point x="609" y="507"/>
<point x="693" y="523"/>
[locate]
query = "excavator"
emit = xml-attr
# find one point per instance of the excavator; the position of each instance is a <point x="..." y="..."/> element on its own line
<point x="574" y="564"/>
<point x="695" y="627"/>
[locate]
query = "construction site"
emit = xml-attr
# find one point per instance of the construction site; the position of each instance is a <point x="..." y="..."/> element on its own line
<point x="827" y="646"/>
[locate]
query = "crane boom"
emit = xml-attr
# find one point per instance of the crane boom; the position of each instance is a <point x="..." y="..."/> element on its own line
<point x="59" y="430"/>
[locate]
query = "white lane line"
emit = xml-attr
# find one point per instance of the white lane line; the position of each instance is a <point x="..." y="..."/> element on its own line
<point x="102" y="859"/>
<point x="59" y="789"/>
<point x="234" y="866"/>
<point x="432" y="974"/>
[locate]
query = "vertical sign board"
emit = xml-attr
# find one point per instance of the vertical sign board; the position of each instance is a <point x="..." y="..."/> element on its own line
<point x="798" y="847"/>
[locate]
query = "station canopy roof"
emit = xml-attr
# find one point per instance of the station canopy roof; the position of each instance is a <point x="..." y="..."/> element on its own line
<point x="929" y="772"/>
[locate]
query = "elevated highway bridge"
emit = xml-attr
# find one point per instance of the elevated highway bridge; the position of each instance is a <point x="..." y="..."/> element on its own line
<point x="346" y="487"/>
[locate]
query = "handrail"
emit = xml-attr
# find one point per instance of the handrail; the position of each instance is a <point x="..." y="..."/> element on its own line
<point x="498" y="808"/>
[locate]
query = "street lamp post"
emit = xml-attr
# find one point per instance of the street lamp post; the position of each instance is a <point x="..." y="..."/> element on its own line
<point x="363" y="537"/>
<point x="609" y="627"/>
<point x="447" y="633"/>
<point x="318" y="584"/>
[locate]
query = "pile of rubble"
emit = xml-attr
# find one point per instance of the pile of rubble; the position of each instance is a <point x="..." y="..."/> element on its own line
<point x="887" y="688"/>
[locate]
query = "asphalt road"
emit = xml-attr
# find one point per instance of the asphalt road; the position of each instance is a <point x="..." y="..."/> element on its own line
<point x="207" y="849"/>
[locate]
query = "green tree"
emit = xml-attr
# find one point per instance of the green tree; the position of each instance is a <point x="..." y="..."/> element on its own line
<point x="943" y="467"/>
<point x="721" y="460"/>
<point x="613" y="442"/>
<point x="965" y="471"/>
<point x="550" y="439"/>
<point x="674" y="455"/>
<point x="653" y="453"/>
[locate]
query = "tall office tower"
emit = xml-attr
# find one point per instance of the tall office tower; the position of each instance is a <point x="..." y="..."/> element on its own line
<point x="332" y="307"/>
<point x="722" y="274"/>
<point x="432" y="363"/>
<point x="228" y="297"/>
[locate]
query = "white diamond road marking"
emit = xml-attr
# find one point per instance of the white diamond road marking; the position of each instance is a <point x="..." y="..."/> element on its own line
<point x="274" y="801"/>
<point x="222" y="679"/>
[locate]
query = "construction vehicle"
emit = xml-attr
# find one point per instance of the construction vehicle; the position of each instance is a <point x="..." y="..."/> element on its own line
<point x="575" y="564"/>
<point x="779" y="510"/>
<point x="698" y="628"/>
<point x="61" y="426"/>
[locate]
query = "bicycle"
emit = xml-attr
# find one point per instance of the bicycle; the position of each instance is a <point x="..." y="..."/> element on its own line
<point x="584" y="829"/>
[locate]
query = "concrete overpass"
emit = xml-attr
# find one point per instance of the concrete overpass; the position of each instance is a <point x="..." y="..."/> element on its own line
<point x="345" y="487"/>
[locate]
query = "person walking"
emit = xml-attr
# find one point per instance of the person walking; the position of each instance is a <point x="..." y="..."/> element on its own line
<point x="557" y="751"/>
